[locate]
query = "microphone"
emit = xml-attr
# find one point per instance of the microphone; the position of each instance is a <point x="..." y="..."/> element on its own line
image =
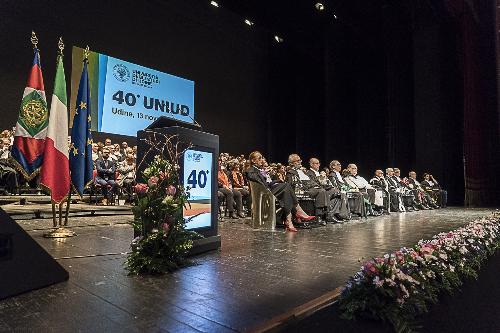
<point x="195" y="122"/>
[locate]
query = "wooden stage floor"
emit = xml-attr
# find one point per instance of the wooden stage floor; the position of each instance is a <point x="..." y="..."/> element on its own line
<point x="256" y="276"/>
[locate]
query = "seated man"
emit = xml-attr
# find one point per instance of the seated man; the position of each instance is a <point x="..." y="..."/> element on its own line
<point x="360" y="183"/>
<point x="431" y="186"/>
<point x="336" y="212"/>
<point x="395" y="191"/>
<point x="105" y="177"/>
<point x="406" y="192"/>
<point x="299" y="181"/>
<point x="356" y="205"/>
<point x="8" y="175"/>
<point x="378" y="182"/>
<point x="424" y="201"/>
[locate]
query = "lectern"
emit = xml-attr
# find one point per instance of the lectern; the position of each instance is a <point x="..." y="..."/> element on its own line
<point x="198" y="172"/>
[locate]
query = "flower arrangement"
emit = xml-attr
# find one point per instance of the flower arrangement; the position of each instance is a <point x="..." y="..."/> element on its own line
<point x="164" y="242"/>
<point x="399" y="286"/>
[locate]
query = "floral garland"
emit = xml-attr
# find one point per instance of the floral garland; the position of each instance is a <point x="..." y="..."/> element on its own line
<point x="399" y="286"/>
<point x="164" y="242"/>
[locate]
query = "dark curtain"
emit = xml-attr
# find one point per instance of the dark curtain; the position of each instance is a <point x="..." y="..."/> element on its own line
<point x="475" y="20"/>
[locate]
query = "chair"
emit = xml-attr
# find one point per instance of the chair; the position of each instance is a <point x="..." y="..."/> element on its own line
<point x="263" y="207"/>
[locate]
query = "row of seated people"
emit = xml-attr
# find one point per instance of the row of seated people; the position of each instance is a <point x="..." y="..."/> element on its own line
<point x="123" y="157"/>
<point x="110" y="174"/>
<point x="337" y="194"/>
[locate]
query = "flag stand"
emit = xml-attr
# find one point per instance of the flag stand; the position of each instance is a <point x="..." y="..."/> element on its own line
<point x="60" y="231"/>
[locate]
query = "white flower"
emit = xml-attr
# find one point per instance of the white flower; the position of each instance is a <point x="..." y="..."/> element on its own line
<point x="378" y="282"/>
<point x="406" y="294"/>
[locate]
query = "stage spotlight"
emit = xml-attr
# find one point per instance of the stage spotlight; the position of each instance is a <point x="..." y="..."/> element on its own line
<point x="319" y="6"/>
<point x="278" y="39"/>
<point x="248" y="22"/>
<point x="214" y="3"/>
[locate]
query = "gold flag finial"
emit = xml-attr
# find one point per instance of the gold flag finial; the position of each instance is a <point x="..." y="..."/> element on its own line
<point x="34" y="39"/>
<point x="60" y="45"/>
<point x="86" y="53"/>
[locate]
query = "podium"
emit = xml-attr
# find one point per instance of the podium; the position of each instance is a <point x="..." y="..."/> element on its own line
<point x="198" y="170"/>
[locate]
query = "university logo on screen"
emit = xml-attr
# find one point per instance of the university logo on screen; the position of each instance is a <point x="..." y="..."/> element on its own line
<point x="121" y="72"/>
<point x="194" y="157"/>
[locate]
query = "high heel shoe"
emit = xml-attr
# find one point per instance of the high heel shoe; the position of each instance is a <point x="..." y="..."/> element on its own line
<point x="289" y="227"/>
<point x="304" y="218"/>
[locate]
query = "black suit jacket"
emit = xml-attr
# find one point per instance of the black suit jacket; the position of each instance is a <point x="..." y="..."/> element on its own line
<point x="254" y="175"/>
<point x="336" y="183"/>
<point x="378" y="183"/>
<point x="393" y="183"/>
<point x="293" y="178"/>
<point x="105" y="168"/>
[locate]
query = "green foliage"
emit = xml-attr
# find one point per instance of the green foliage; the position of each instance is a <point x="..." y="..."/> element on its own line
<point x="164" y="242"/>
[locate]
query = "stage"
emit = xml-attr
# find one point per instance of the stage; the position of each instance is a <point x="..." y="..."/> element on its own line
<point x="256" y="281"/>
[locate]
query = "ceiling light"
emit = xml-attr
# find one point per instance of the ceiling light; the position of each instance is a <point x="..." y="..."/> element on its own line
<point x="278" y="39"/>
<point x="319" y="6"/>
<point x="248" y="22"/>
<point x="214" y="3"/>
<point x="334" y="16"/>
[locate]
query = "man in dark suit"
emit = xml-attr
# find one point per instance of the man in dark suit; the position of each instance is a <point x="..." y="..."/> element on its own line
<point x="378" y="181"/>
<point x="394" y="191"/>
<point x="300" y="182"/>
<point x="356" y="205"/>
<point x="105" y="177"/>
<point x="338" y="207"/>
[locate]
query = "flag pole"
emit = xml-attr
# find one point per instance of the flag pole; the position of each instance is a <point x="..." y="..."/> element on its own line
<point x="61" y="231"/>
<point x="67" y="208"/>
<point x="54" y="215"/>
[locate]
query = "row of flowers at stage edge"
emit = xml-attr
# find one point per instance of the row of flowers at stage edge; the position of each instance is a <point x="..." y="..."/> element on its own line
<point x="399" y="286"/>
<point x="164" y="242"/>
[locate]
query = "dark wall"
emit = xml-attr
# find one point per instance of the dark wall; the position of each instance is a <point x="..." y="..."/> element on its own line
<point x="227" y="60"/>
<point x="383" y="90"/>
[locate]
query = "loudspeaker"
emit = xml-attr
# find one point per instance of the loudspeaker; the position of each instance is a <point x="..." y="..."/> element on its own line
<point x="24" y="265"/>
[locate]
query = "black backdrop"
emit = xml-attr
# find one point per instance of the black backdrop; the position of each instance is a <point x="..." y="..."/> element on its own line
<point x="381" y="92"/>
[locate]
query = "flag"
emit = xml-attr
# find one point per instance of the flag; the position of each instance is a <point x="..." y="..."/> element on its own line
<point x="31" y="126"/>
<point x="55" y="168"/>
<point x="80" y="150"/>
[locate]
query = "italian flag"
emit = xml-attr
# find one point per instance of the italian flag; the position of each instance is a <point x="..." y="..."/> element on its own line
<point x="55" y="169"/>
<point x="31" y="126"/>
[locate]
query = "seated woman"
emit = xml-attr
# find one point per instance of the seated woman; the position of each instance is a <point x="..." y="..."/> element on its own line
<point x="126" y="176"/>
<point x="239" y="183"/>
<point x="281" y="190"/>
<point x="233" y="197"/>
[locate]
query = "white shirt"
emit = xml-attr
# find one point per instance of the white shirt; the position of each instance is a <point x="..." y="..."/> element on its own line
<point x="358" y="182"/>
<point x="302" y="175"/>
<point x="315" y="172"/>
<point x="4" y="154"/>
<point x="339" y="177"/>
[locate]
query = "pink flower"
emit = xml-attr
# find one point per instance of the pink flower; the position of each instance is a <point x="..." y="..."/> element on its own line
<point x="141" y="188"/>
<point x="152" y="181"/>
<point x="171" y="190"/>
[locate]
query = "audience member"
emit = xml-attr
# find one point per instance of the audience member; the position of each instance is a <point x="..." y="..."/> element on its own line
<point x="106" y="169"/>
<point x="281" y="190"/>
